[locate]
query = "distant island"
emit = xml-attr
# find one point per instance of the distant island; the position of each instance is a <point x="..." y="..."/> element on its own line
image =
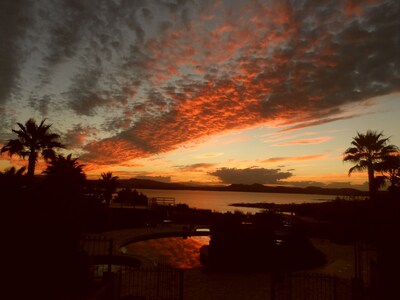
<point x="135" y="183"/>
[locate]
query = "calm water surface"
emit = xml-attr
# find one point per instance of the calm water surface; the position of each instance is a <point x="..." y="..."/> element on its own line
<point x="220" y="201"/>
<point x="175" y="251"/>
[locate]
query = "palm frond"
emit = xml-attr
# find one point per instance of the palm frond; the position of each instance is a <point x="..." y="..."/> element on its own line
<point x="33" y="139"/>
<point x="13" y="147"/>
<point x="357" y="168"/>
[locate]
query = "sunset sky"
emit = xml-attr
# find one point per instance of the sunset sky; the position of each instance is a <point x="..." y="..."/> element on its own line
<point x="203" y="91"/>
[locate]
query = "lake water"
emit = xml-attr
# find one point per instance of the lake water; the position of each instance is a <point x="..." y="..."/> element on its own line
<point x="220" y="201"/>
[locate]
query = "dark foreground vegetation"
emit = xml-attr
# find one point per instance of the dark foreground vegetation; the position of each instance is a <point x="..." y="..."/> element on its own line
<point x="375" y="223"/>
<point x="43" y="225"/>
<point x="342" y="220"/>
<point x="261" y="242"/>
<point x="43" y="241"/>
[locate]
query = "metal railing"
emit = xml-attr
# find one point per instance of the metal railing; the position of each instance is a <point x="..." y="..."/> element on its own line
<point x="99" y="248"/>
<point x="161" y="201"/>
<point x="309" y="286"/>
<point x="160" y="282"/>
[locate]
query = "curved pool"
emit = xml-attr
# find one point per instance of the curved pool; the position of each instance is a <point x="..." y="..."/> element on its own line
<point x="176" y="251"/>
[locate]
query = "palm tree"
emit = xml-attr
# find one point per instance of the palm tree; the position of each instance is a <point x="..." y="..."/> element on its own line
<point x="13" y="172"/>
<point x="32" y="140"/>
<point x="66" y="171"/>
<point x="368" y="151"/>
<point x="390" y="169"/>
<point x="12" y="178"/>
<point x="64" y="186"/>
<point x="108" y="183"/>
<point x="12" y="183"/>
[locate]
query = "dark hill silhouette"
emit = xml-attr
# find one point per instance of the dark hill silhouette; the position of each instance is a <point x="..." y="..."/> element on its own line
<point x="295" y="190"/>
<point x="150" y="184"/>
<point x="256" y="187"/>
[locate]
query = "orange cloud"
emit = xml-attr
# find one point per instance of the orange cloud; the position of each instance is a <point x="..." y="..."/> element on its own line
<point x="78" y="136"/>
<point x="209" y="155"/>
<point x="286" y="79"/>
<point x="316" y="122"/>
<point x="294" y="158"/>
<point x="200" y="167"/>
<point x="158" y="76"/>
<point x="317" y="140"/>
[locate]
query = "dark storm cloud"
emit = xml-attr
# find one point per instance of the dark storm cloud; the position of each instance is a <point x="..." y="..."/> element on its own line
<point x="14" y="19"/>
<point x="100" y="38"/>
<point x="40" y="104"/>
<point x="85" y="94"/>
<point x="250" y="175"/>
<point x="340" y="62"/>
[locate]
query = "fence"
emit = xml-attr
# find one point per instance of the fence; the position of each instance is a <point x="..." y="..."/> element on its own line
<point x="365" y="258"/>
<point x="366" y="270"/>
<point x="100" y="250"/>
<point x="309" y="286"/>
<point x="161" y="201"/>
<point x="160" y="282"/>
<point x="97" y="245"/>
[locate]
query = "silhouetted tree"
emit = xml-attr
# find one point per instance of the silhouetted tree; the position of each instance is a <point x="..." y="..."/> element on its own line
<point x="12" y="182"/>
<point x="65" y="182"/>
<point x="12" y="176"/>
<point x="132" y="197"/>
<point x="66" y="171"/>
<point x="32" y="140"/>
<point x="390" y="167"/>
<point x="368" y="151"/>
<point x="108" y="184"/>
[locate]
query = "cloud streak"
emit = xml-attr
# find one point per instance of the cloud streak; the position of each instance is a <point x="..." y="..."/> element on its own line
<point x="199" y="167"/>
<point x="293" y="158"/>
<point x="309" y="141"/>
<point x="154" y="76"/>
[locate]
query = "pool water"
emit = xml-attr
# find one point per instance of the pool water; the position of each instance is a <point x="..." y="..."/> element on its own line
<point x="176" y="251"/>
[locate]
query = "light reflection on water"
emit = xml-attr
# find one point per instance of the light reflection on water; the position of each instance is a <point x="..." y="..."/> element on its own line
<point x="176" y="251"/>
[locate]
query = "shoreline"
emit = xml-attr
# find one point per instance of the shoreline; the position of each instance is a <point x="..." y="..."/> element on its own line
<point x="293" y="207"/>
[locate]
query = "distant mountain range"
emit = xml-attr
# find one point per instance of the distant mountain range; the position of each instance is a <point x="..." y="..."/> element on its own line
<point x="151" y="184"/>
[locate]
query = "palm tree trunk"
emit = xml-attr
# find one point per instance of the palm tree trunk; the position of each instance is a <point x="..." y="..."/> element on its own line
<point x="31" y="164"/>
<point x="371" y="183"/>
